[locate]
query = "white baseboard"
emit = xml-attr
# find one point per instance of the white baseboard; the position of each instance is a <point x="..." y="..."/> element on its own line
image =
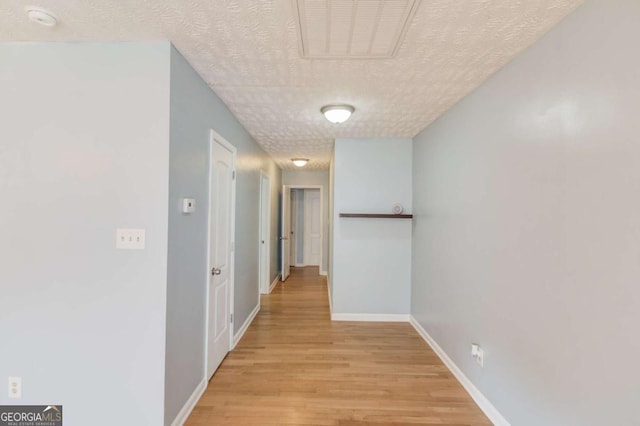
<point x="370" y="317"/>
<point x="323" y="273"/>
<point x="275" y="282"/>
<point x="245" y="326"/>
<point x="188" y="407"/>
<point x="485" y="405"/>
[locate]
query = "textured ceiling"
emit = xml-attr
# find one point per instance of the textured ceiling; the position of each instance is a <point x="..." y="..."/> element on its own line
<point x="248" y="53"/>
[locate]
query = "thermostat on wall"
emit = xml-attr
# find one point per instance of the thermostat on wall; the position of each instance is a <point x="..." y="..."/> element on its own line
<point x="188" y="205"/>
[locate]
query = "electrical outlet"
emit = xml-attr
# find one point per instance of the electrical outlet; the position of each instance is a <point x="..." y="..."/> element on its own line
<point x="15" y="387"/>
<point x="477" y="353"/>
<point x="480" y="357"/>
<point x="130" y="239"/>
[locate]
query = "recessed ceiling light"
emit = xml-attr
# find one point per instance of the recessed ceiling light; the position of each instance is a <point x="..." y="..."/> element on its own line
<point x="41" y="16"/>
<point x="300" y="162"/>
<point x="337" y="114"/>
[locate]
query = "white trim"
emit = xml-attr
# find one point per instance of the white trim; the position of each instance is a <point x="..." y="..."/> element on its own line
<point x="485" y="405"/>
<point x="323" y="273"/>
<point x="188" y="407"/>
<point x="275" y="282"/>
<point x="237" y="336"/>
<point x="370" y="317"/>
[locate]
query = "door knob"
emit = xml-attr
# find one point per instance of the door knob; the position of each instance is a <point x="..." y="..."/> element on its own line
<point x="216" y="271"/>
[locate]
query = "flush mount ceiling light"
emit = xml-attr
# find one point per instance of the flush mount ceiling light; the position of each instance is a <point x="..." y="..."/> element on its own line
<point x="337" y="114"/>
<point x="300" y="162"/>
<point x="41" y="16"/>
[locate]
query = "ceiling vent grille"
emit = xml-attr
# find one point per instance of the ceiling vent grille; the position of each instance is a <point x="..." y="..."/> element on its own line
<point x="356" y="29"/>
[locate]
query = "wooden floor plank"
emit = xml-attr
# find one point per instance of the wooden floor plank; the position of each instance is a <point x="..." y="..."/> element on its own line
<point x="294" y="366"/>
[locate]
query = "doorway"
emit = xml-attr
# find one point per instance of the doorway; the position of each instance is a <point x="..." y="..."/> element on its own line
<point x="302" y="225"/>
<point x="222" y="189"/>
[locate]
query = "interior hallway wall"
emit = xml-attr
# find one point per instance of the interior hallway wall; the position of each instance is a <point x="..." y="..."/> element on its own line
<point x="331" y="228"/>
<point x="101" y="136"/>
<point x="84" y="150"/>
<point x="195" y="109"/>
<point x="527" y="229"/>
<point x="371" y="260"/>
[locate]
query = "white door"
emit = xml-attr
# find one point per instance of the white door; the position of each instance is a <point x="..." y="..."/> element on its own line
<point x="286" y="232"/>
<point x="265" y="223"/>
<point x="312" y="227"/>
<point x="220" y="253"/>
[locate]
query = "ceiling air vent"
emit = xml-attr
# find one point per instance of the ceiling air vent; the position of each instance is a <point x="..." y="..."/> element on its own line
<point x="356" y="29"/>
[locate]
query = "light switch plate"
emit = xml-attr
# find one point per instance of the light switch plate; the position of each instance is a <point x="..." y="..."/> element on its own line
<point x="130" y="239"/>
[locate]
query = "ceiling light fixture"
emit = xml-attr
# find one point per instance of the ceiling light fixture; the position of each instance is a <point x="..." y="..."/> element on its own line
<point x="42" y="17"/>
<point x="300" y="162"/>
<point x="337" y="114"/>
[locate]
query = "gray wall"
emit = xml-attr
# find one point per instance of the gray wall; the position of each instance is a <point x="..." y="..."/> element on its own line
<point x="527" y="238"/>
<point x="84" y="150"/>
<point x="371" y="257"/>
<point x="195" y="109"/>
<point x="314" y="178"/>
<point x="187" y="256"/>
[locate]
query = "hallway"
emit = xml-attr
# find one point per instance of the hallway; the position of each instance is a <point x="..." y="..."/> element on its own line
<point x="294" y="366"/>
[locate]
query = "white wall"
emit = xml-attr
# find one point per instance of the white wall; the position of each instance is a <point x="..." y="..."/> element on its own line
<point x="527" y="235"/>
<point x="314" y="178"/>
<point x="85" y="149"/>
<point x="371" y="257"/>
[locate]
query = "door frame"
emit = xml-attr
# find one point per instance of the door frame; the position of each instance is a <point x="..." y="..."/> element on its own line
<point x="264" y="281"/>
<point x="215" y="137"/>
<point x="322" y="219"/>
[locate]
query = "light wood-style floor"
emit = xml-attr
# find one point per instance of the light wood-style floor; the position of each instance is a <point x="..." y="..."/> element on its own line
<point x="294" y="366"/>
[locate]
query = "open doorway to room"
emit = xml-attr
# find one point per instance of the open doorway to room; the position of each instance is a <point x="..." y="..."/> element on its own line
<point x="302" y="227"/>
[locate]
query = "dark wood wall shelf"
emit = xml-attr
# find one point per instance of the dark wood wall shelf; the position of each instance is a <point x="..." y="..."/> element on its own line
<point x="377" y="215"/>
